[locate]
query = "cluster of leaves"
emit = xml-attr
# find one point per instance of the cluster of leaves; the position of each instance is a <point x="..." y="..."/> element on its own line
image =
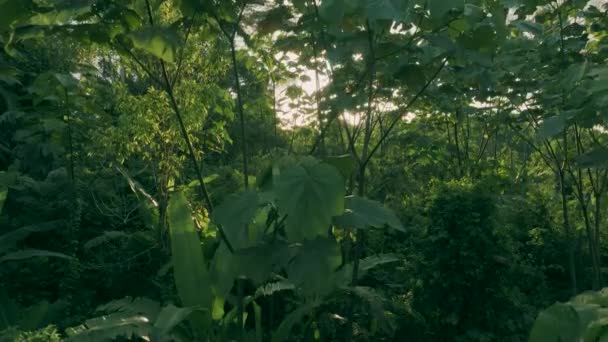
<point x="582" y="318"/>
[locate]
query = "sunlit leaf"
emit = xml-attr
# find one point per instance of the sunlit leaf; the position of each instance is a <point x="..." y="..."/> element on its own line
<point x="160" y="42"/>
<point x="189" y="268"/>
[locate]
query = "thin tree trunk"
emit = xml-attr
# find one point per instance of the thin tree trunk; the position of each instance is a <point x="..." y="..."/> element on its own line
<point x="568" y="233"/>
<point x="239" y="100"/>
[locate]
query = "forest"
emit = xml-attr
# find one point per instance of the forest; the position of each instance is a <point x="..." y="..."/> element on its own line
<point x="303" y="170"/>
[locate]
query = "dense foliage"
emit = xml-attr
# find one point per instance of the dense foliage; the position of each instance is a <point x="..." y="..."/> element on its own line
<point x="303" y="170"/>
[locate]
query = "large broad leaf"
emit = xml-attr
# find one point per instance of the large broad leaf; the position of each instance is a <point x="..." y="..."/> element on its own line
<point x="597" y="158"/>
<point x="32" y="253"/>
<point x="314" y="265"/>
<point x="439" y="8"/>
<point x="34" y="316"/>
<point x="344" y="163"/>
<point x="309" y="194"/>
<point x="529" y="27"/>
<point x="363" y="213"/>
<point x="161" y="42"/>
<point x="10" y="239"/>
<point x="235" y="214"/>
<point x="583" y="318"/>
<point x="189" y="270"/>
<point x="572" y="75"/>
<point x="367" y="264"/>
<point x="332" y="11"/>
<point x="551" y="127"/>
<point x="559" y="322"/>
<point x="381" y="9"/>
<point x="283" y="331"/>
<point x="169" y="317"/>
<point x="255" y="263"/>
<point x="189" y="7"/>
<point x="597" y="330"/>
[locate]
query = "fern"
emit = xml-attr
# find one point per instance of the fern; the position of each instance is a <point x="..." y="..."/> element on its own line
<point x="271" y="288"/>
<point x="134" y="306"/>
<point x="110" y="327"/>
<point x="367" y="264"/>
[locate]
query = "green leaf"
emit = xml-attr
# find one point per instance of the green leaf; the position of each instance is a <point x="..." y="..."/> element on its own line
<point x="571" y="76"/>
<point x="439" y="8"/>
<point x="235" y="214"/>
<point x="3" y="195"/>
<point x="381" y="10"/>
<point x="371" y="262"/>
<point x="6" y="179"/>
<point x="284" y="330"/>
<point x="412" y="75"/>
<point x="255" y="263"/>
<point x="529" y="27"/>
<point x="162" y="42"/>
<point x="272" y="288"/>
<point x="105" y="238"/>
<point x="34" y="316"/>
<point x="9" y="75"/>
<point x="189" y="7"/>
<point x="10" y="239"/>
<point x="597" y="330"/>
<point x="344" y="163"/>
<point x="332" y="11"/>
<point x="551" y="127"/>
<point x="560" y="322"/>
<point x="375" y="302"/>
<point x="8" y="311"/>
<point x="135" y="306"/>
<point x="63" y="12"/>
<point x="597" y="158"/>
<point x="170" y="317"/>
<point x="257" y="312"/>
<point x="363" y="213"/>
<point x="313" y="265"/>
<point x="110" y="327"/>
<point x="189" y="268"/>
<point x="12" y="11"/>
<point x="483" y="38"/>
<point x="309" y="194"/>
<point x="32" y="253"/>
